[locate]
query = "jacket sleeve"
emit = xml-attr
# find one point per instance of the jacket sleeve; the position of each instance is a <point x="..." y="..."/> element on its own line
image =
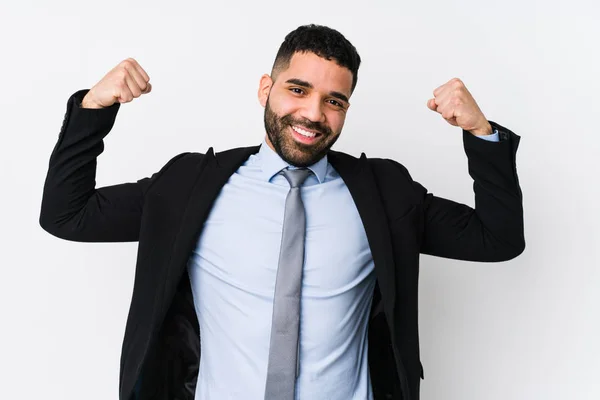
<point x="72" y="208"/>
<point x="493" y="230"/>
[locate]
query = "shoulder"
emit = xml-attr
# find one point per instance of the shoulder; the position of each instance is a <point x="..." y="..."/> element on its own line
<point x="382" y="168"/>
<point x="184" y="161"/>
<point x="389" y="175"/>
<point x="395" y="182"/>
<point x="231" y="157"/>
<point x="385" y="166"/>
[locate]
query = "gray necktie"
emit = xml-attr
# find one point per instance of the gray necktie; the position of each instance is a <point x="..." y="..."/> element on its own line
<point x="283" y="351"/>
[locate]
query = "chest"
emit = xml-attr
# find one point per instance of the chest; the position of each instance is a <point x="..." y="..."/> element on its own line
<point x="241" y="237"/>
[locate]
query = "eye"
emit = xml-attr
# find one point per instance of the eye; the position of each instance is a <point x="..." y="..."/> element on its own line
<point x="297" y="90"/>
<point x="335" y="103"/>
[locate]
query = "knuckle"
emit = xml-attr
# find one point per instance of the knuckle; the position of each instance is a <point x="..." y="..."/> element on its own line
<point x="127" y="64"/>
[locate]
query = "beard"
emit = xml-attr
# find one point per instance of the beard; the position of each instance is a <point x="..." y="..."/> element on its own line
<point x="279" y="132"/>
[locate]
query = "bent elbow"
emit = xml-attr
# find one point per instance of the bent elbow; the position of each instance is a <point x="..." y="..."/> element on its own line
<point x="49" y="226"/>
<point x="61" y="231"/>
<point x="512" y="252"/>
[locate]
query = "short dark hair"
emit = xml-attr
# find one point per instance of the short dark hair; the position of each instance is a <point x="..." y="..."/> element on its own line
<point x="322" y="41"/>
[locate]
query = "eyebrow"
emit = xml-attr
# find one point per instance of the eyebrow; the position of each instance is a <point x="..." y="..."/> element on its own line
<point x="300" y="82"/>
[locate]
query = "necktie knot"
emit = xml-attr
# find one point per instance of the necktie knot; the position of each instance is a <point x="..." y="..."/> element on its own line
<point x="296" y="177"/>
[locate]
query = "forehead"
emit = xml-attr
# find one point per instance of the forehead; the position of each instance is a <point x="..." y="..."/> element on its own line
<point x="323" y="74"/>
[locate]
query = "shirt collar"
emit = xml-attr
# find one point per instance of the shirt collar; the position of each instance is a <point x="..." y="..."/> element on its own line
<point x="271" y="164"/>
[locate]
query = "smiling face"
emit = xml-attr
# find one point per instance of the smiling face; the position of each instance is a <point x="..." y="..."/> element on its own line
<point x="305" y="107"/>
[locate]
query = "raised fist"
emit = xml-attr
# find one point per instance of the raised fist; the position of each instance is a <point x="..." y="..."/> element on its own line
<point x="123" y="83"/>
<point x="459" y="108"/>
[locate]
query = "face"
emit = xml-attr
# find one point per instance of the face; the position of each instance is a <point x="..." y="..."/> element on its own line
<point x="305" y="107"/>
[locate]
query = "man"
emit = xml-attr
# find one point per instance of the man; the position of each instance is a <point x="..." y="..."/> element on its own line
<point x="294" y="266"/>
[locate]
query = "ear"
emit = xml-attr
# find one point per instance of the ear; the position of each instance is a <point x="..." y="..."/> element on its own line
<point x="264" y="88"/>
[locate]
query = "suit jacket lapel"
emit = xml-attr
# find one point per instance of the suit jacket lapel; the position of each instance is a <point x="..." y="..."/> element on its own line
<point x="213" y="173"/>
<point x="361" y="183"/>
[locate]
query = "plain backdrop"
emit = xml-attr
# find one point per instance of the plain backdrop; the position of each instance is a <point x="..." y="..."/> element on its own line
<point x="526" y="329"/>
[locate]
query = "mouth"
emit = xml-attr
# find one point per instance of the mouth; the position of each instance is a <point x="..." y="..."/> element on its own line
<point x="304" y="135"/>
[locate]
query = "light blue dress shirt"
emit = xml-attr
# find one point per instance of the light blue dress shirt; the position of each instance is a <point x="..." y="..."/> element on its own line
<point x="493" y="137"/>
<point x="232" y="273"/>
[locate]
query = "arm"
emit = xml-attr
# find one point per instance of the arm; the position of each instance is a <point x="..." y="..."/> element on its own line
<point x="72" y="208"/>
<point x="493" y="230"/>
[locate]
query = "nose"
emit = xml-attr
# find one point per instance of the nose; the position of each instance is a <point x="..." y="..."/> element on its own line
<point x="313" y="110"/>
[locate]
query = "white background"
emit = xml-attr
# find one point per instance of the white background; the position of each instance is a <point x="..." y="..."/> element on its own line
<point x="524" y="329"/>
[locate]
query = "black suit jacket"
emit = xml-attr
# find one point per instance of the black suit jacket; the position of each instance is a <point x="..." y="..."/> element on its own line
<point x="165" y="213"/>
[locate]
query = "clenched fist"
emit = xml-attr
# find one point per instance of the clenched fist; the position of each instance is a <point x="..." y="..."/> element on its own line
<point x="123" y="83"/>
<point x="459" y="108"/>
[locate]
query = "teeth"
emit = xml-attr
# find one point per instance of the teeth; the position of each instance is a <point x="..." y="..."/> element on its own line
<point x="303" y="132"/>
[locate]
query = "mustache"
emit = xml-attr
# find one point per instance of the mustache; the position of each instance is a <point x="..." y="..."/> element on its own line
<point x="306" y="123"/>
